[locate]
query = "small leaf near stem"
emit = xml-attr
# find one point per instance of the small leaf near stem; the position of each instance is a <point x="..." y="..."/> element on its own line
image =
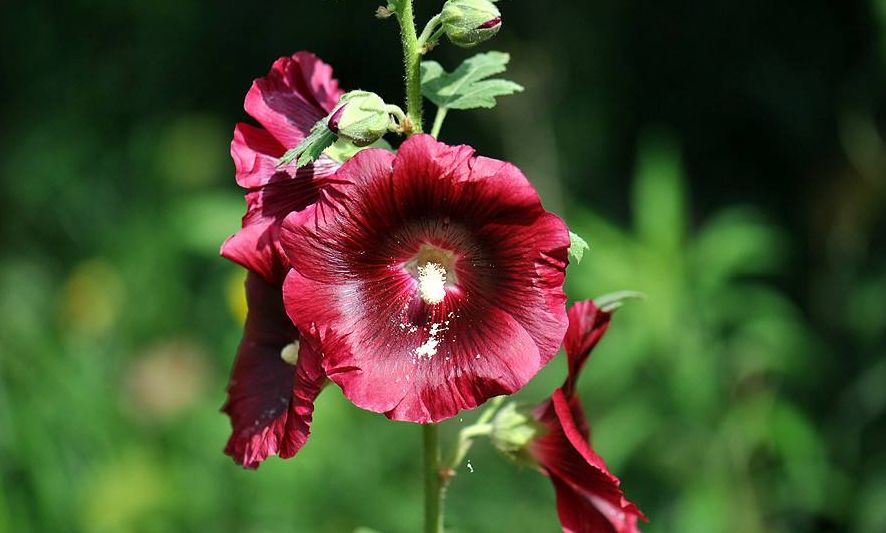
<point x="577" y="247"/>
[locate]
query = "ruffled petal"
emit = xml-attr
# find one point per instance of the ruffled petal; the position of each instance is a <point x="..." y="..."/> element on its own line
<point x="296" y="93"/>
<point x="270" y="402"/>
<point x="255" y="153"/>
<point x="587" y="324"/>
<point x="567" y="457"/>
<point x="580" y="513"/>
<point x="257" y="245"/>
<point x="503" y="315"/>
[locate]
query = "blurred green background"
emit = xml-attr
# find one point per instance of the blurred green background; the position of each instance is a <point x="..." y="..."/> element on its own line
<point x="726" y="158"/>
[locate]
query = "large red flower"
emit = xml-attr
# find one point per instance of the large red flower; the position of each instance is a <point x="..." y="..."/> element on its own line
<point x="275" y="379"/>
<point x="433" y="278"/>
<point x="589" y="499"/>
<point x="296" y="93"/>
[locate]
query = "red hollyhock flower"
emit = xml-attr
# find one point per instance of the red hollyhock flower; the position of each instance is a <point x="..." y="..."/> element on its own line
<point x="296" y="93"/>
<point x="589" y="499"/>
<point x="433" y="278"/>
<point x="275" y="379"/>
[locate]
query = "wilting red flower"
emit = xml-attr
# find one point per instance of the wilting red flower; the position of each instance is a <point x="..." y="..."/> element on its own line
<point x="296" y="93"/>
<point x="433" y="278"/>
<point x="275" y="379"/>
<point x="589" y="499"/>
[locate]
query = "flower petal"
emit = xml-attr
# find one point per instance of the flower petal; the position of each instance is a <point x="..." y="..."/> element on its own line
<point x="565" y="454"/>
<point x="503" y="314"/>
<point x="296" y="93"/>
<point x="270" y="401"/>
<point x="416" y="373"/>
<point x="580" y="513"/>
<point x="257" y="245"/>
<point x="587" y="324"/>
<point x="255" y="152"/>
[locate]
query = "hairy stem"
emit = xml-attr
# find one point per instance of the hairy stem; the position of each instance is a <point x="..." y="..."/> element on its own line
<point x="412" y="62"/>
<point x="434" y="488"/>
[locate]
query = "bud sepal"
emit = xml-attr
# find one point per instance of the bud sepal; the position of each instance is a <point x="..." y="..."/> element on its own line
<point x="514" y="428"/>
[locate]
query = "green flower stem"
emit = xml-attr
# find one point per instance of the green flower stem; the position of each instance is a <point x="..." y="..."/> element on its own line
<point x="433" y="39"/>
<point x="438" y="121"/>
<point x="465" y="441"/>
<point x="478" y="429"/>
<point x="412" y="61"/>
<point x="428" y="34"/>
<point x="434" y="488"/>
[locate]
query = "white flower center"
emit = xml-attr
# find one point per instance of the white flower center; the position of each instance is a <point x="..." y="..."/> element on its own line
<point x="289" y="353"/>
<point x="431" y="283"/>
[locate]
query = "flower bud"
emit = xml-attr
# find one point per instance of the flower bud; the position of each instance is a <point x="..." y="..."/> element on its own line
<point x="513" y="429"/>
<point x="361" y="117"/>
<point x="470" y="22"/>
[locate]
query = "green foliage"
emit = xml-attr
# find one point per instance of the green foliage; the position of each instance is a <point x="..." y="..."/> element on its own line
<point x="577" y="247"/>
<point x="612" y="301"/>
<point x="468" y="86"/>
<point x="706" y="352"/>
<point x="307" y="151"/>
<point x="746" y="393"/>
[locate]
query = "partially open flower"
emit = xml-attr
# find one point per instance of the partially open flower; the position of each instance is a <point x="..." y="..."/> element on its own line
<point x="589" y="499"/>
<point x="296" y="93"/>
<point x="470" y="22"/>
<point x="433" y="279"/>
<point x="275" y="379"/>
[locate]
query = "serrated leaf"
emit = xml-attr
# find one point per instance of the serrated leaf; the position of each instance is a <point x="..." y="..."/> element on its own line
<point x="307" y="151"/>
<point x="467" y="87"/>
<point x="577" y="247"/>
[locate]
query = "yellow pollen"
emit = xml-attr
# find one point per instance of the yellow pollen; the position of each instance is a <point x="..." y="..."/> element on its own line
<point x="289" y="353"/>
<point x="431" y="283"/>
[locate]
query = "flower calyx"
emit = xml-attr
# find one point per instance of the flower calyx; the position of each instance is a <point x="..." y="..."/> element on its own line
<point x="514" y="428"/>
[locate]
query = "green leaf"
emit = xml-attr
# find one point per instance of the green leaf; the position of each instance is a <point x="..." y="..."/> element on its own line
<point x="467" y="87"/>
<point x="612" y="301"/>
<point x="577" y="247"/>
<point x="307" y="151"/>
